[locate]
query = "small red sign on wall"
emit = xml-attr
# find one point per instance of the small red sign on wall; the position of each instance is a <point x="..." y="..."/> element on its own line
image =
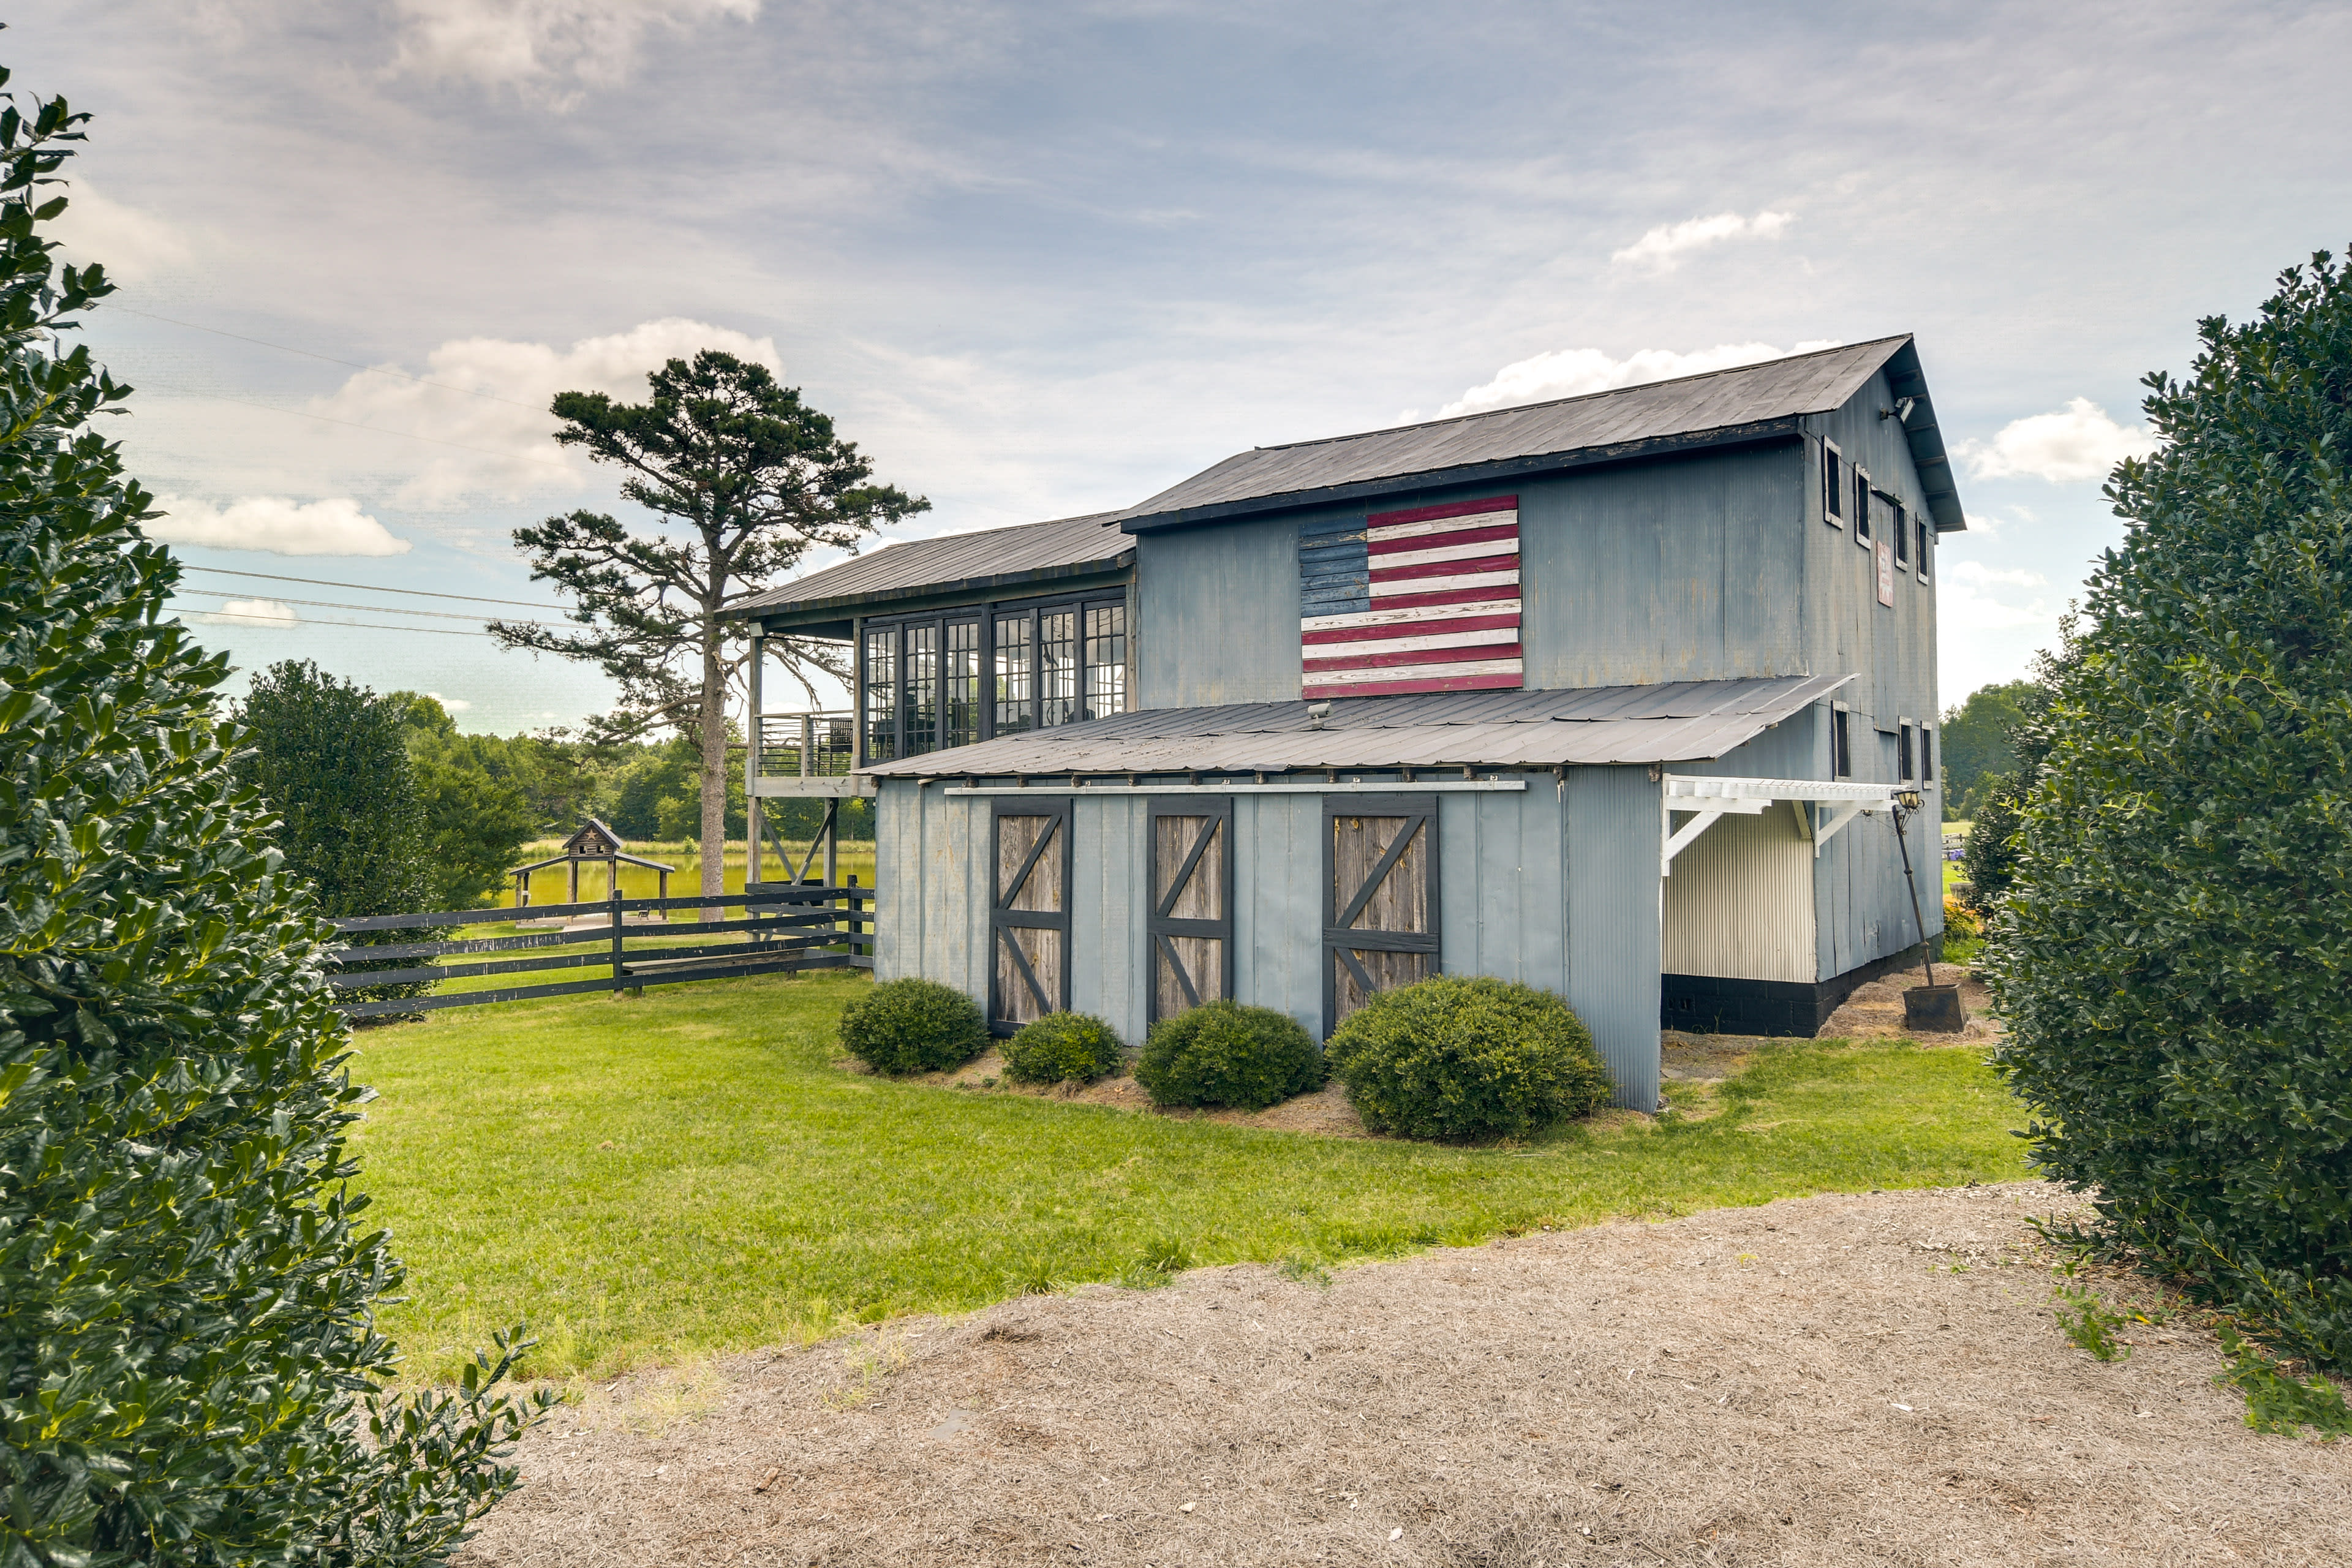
<point x="1885" y="573"/>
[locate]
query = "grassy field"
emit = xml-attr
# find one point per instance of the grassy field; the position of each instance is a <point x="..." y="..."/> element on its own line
<point x="551" y="886"/>
<point x="688" y="1173"/>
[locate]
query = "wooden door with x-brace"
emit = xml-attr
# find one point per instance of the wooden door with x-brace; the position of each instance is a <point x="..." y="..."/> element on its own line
<point x="1380" y="924"/>
<point x="1029" y="923"/>
<point x="1190" y="921"/>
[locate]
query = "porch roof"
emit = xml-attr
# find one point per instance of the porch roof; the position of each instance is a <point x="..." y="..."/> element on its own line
<point x="1682" y="720"/>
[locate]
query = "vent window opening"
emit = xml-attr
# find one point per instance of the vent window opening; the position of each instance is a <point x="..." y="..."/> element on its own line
<point x="1861" y="507"/>
<point x="1921" y="524"/>
<point x="1841" y="745"/>
<point x="1832" y="488"/>
<point x="1903" y="752"/>
<point x="1927" y="757"/>
<point x="881" y="683"/>
<point x="1901" y="528"/>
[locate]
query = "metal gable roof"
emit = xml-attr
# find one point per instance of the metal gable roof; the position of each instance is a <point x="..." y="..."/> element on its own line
<point x="951" y="562"/>
<point x="1723" y="405"/>
<point x="1673" y="721"/>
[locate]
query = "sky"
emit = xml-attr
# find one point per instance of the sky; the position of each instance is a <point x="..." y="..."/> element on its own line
<point x="1046" y="258"/>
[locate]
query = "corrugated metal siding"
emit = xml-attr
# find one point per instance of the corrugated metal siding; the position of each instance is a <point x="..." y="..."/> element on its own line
<point x="1739" y="904"/>
<point x="1505" y="904"/>
<point x="1611" y="828"/>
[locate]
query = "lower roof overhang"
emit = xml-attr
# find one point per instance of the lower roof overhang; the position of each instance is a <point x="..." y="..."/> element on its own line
<point x="1673" y="721"/>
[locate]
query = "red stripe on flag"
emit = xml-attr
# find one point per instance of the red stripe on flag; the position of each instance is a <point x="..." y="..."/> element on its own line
<point x="1417" y="655"/>
<point x="1448" y="596"/>
<point x="1400" y="687"/>
<point x="1430" y="626"/>
<point x="1452" y="536"/>
<point x="1451" y="508"/>
<point x="1447" y="568"/>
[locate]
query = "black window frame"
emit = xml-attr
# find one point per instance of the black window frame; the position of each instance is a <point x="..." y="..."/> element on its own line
<point x="1926" y="534"/>
<point x="1841" y="743"/>
<point x="1862" y="535"/>
<point x="1927" y="756"/>
<point x="986" y="615"/>
<point x="1903" y="773"/>
<point x="1832" y="486"/>
<point x="1899" y="523"/>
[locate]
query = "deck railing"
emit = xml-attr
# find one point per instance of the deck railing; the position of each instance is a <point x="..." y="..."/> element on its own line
<point x="783" y="926"/>
<point x="805" y="746"/>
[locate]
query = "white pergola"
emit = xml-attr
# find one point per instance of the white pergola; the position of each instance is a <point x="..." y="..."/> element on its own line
<point x="1706" y="799"/>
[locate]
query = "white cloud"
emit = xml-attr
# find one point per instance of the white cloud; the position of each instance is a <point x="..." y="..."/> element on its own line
<point x="537" y="43"/>
<point x="1569" y="372"/>
<point x="130" y="243"/>
<point x="1663" y="248"/>
<point x="282" y="527"/>
<point x="449" y="704"/>
<point x="486" y="399"/>
<point x="2077" y="442"/>
<point x="1984" y="576"/>
<point x="265" y="613"/>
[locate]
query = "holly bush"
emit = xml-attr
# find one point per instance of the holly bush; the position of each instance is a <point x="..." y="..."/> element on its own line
<point x="190" y="1370"/>
<point x="2173" y="956"/>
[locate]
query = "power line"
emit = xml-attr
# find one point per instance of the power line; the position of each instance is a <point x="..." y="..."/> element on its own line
<point x="368" y="588"/>
<point x="283" y="624"/>
<point x="395" y="610"/>
<point x="329" y="359"/>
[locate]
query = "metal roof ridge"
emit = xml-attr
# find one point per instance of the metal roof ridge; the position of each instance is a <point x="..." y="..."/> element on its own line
<point x="1896" y="338"/>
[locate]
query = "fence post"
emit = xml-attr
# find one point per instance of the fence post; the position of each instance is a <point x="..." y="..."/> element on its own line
<point x="852" y="884"/>
<point x="620" y="974"/>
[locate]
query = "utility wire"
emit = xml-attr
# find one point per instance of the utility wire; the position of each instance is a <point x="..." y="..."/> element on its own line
<point x="369" y="588"/>
<point x="396" y="610"/>
<point x="365" y="625"/>
<point x="329" y="359"/>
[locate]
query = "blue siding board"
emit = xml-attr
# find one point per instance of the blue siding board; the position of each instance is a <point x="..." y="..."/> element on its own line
<point x="1613" y="921"/>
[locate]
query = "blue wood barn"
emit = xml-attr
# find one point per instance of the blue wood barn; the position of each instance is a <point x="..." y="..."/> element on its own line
<point x="1610" y="695"/>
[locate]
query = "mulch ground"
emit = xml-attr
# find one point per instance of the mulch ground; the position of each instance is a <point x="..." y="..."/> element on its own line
<point x="1871" y="1379"/>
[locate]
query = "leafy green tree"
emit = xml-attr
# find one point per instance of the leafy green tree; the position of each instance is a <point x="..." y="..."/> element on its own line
<point x="1977" y="742"/>
<point x="189" y="1368"/>
<point x="476" y="822"/>
<point x="330" y="759"/>
<point x="2174" y="956"/>
<point x="745" y="480"/>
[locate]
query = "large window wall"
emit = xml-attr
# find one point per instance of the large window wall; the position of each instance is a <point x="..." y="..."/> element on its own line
<point x="925" y="683"/>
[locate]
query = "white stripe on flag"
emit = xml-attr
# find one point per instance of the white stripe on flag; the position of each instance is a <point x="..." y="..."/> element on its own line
<point x="1414" y="671"/>
<point x="1410" y="612"/>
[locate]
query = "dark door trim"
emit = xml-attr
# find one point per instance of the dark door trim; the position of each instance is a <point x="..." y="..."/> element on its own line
<point x="1337" y="939"/>
<point x="1003" y="920"/>
<point x="1158" y="925"/>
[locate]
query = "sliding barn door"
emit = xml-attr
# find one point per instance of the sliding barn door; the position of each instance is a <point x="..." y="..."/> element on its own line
<point x="1191" y="922"/>
<point x="1380" y="923"/>
<point x="1030" y="921"/>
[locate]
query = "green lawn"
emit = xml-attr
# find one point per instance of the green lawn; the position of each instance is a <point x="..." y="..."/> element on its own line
<point x="688" y="1173"/>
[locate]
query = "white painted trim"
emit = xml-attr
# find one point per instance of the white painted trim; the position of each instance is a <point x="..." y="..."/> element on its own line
<point x="1709" y="797"/>
<point x="1394" y="786"/>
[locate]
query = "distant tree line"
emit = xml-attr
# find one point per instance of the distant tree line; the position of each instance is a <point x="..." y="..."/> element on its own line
<point x="386" y="807"/>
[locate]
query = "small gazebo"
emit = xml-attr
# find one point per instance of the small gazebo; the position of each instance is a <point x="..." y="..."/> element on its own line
<point x="591" y="841"/>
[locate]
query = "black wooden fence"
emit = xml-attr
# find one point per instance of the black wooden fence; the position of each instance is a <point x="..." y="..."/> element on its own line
<point x="782" y="927"/>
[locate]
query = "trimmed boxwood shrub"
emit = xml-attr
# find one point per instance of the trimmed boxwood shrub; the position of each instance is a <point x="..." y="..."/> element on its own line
<point x="913" y="1026"/>
<point x="1062" y="1047"/>
<point x="1223" y="1053"/>
<point x="1458" y="1057"/>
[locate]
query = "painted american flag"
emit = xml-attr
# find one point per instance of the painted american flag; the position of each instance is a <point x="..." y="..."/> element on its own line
<point x="1421" y="600"/>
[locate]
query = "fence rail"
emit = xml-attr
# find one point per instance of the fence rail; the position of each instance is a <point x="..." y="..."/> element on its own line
<point x="784" y="926"/>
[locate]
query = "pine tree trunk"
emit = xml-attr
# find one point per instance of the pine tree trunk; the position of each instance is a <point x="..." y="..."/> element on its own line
<point x="714" y="769"/>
